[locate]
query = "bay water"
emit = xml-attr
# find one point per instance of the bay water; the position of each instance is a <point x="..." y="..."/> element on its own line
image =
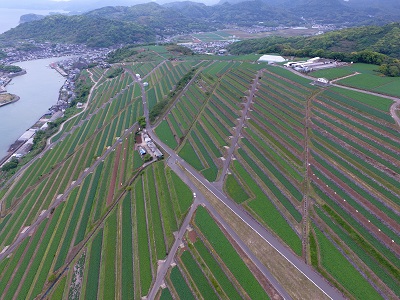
<point x="38" y="90"/>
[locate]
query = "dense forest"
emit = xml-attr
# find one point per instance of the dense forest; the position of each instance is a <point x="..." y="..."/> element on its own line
<point x="93" y="32"/>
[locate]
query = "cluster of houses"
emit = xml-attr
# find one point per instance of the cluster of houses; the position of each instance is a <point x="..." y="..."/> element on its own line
<point x="313" y="64"/>
<point x="151" y="146"/>
<point x="30" y="50"/>
<point x="218" y="47"/>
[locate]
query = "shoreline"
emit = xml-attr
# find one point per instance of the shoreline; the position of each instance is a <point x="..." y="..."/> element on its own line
<point x="13" y="100"/>
<point x="21" y="146"/>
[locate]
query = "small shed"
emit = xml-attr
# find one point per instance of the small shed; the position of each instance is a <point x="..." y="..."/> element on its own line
<point x="323" y="80"/>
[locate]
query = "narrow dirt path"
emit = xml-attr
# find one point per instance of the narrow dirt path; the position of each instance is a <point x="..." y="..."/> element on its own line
<point x="344" y="77"/>
<point x="114" y="175"/>
<point x="238" y="132"/>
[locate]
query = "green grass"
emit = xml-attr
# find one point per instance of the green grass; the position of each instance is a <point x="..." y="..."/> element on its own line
<point x="211" y="173"/>
<point x="180" y="285"/>
<point x="24" y="263"/>
<point x="109" y="254"/>
<point x="343" y="271"/>
<point x="166" y="295"/>
<point x="127" y="288"/>
<point x="12" y="264"/>
<point x="143" y="244"/>
<point x="357" y="232"/>
<point x="155" y="216"/>
<point x="271" y="185"/>
<point x="222" y="279"/>
<point x="59" y="289"/>
<point x="184" y="194"/>
<point x="188" y="154"/>
<point x="92" y="283"/>
<point x="235" y="190"/>
<point x="376" y="102"/>
<point x="31" y="273"/>
<point x="228" y="254"/>
<point x="164" y="132"/>
<point x="332" y="73"/>
<point x="264" y="208"/>
<point x="361" y="253"/>
<point x="197" y="276"/>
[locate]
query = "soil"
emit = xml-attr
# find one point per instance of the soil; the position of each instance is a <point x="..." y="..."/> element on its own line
<point x="110" y="196"/>
<point x="268" y="287"/>
<point x="352" y="211"/>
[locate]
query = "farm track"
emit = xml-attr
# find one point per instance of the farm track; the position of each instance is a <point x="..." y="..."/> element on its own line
<point x="238" y="132"/>
<point x="50" y="146"/>
<point x="306" y="196"/>
<point x="351" y="210"/>
<point x="64" y="196"/>
<point x="175" y="162"/>
<point x="395" y="106"/>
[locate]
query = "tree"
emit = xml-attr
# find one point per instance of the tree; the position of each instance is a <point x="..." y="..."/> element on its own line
<point x="10" y="165"/>
<point x="148" y="157"/>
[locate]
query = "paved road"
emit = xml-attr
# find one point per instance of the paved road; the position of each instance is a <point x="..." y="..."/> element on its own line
<point x="395" y="106"/>
<point x="174" y="162"/>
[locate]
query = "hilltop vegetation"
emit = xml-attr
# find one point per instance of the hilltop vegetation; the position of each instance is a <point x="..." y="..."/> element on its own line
<point x="91" y="31"/>
<point x="143" y="23"/>
<point x="370" y="44"/>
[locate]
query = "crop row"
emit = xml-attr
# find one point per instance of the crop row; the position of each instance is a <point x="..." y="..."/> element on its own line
<point x="85" y="137"/>
<point x="226" y="253"/>
<point x="369" y="128"/>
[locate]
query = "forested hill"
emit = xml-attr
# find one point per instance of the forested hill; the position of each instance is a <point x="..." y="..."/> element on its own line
<point x="145" y="22"/>
<point x="382" y="39"/>
<point x="91" y="31"/>
<point x="108" y="26"/>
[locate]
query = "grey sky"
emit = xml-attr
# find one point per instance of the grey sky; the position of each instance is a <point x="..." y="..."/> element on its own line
<point x="78" y="4"/>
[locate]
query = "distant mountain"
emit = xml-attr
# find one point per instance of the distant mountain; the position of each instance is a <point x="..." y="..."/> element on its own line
<point x="146" y="22"/>
<point x="162" y="19"/>
<point x="30" y="18"/>
<point x="82" y="29"/>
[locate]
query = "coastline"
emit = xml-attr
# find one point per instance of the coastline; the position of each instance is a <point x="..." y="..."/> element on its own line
<point x="15" y="98"/>
<point x="22" y="145"/>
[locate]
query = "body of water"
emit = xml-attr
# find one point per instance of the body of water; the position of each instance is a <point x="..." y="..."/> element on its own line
<point x="9" y="18"/>
<point x="38" y="90"/>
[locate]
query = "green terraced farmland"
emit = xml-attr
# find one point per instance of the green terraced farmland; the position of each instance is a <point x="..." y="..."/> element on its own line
<point x="110" y="219"/>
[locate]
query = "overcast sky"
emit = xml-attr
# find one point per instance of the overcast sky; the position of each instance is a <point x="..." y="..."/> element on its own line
<point x="78" y="4"/>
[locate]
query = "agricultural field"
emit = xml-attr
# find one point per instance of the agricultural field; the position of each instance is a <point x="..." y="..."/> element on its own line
<point x="144" y="222"/>
<point x="204" y="115"/>
<point x="333" y="73"/>
<point x="354" y="175"/>
<point x="209" y="266"/>
<point x="362" y="76"/>
<point x="317" y="168"/>
<point x="353" y="145"/>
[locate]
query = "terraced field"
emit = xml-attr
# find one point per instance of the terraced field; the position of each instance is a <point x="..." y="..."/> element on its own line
<point x="76" y="184"/>
<point x="209" y="266"/>
<point x="317" y="167"/>
<point x="144" y="222"/>
<point x="355" y="172"/>
<point x="203" y="118"/>
<point x="349" y="140"/>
